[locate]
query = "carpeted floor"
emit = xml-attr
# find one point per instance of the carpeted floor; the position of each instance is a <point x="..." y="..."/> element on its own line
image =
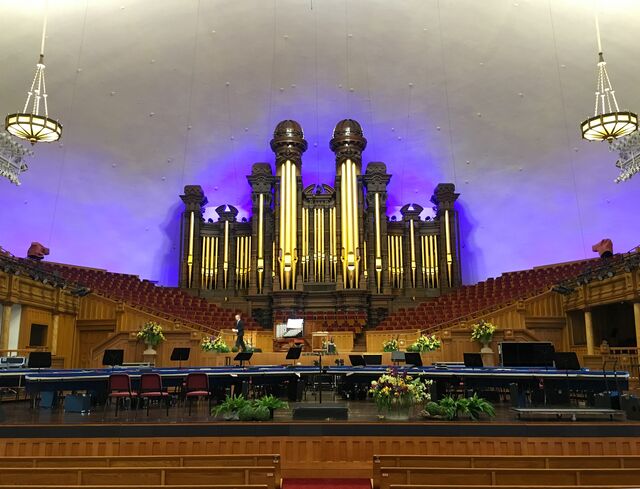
<point x="326" y="484"/>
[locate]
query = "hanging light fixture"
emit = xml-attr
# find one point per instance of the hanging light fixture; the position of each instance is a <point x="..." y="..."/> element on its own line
<point x="608" y="121"/>
<point x="30" y="124"/>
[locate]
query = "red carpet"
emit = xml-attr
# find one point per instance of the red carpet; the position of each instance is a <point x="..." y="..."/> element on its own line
<point x="326" y="484"/>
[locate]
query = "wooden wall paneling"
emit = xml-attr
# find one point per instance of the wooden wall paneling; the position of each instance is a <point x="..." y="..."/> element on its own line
<point x="94" y="307"/>
<point x="353" y="455"/>
<point x="33" y="315"/>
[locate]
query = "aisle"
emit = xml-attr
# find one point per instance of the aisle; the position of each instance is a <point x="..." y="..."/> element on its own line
<point x="326" y="484"/>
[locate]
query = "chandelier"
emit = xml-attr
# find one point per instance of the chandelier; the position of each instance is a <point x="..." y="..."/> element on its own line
<point x="11" y="154"/>
<point x="31" y="124"/>
<point x="608" y="121"/>
<point x="628" y="149"/>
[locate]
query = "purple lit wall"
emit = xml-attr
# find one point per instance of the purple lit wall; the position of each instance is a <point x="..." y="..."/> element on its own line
<point x="488" y="97"/>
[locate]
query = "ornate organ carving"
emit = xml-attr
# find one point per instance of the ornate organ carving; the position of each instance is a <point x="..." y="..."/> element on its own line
<point x="320" y="246"/>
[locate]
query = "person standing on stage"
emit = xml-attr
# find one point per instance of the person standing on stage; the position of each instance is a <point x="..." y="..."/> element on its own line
<point x="239" y="330"/>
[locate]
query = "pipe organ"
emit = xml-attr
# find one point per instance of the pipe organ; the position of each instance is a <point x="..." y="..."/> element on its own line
<point x="320" y="246"/>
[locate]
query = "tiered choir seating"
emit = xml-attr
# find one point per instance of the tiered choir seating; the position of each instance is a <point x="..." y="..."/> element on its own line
<point x="487" y="295"/>
<point x="167" y="301"/>
<point x="178" y="471"/>
<point x="522" y="472"/>
<point x="327" y="320"/>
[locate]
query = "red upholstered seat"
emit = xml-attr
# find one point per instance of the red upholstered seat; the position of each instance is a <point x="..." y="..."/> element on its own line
<point x="151" y="388"/>
<point x="119" y="388"/>
<point x="196" y="386"/>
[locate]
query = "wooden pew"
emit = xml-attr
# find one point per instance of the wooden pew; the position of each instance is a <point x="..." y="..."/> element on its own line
<point x="138" y="476"/>
<point x="223" y="486"/>
<point x="501" y="461"/>
<point x="507" y="477"/>
<point x="420" y="486"/>
<point x="248" y="460"/>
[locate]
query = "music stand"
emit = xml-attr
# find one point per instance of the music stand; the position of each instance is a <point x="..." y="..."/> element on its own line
<point x="566" y="360"/>
<point x="243" y="356"/>
<point x="293" y="353"/>
<point x="39" y="359"/>
<point x="111" y="358"/>
<point x="373" y="359"/>
<point x="180" y="355"/>
<point x="413" y="358"/>
<point x="473" y="360"/>
<point x="397" y="357"/>
<point x="357" y="360"/>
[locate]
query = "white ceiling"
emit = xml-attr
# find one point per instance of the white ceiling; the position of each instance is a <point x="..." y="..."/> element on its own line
<point x="157" y="94"/>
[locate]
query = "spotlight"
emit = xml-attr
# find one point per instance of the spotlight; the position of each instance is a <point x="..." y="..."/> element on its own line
<point x="80" y="291"/>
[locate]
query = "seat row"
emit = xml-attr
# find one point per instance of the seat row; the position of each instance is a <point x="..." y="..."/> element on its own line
<point x="485" y="295"/>
<point x="120" y="388"/>
<point x="457" y="471"/>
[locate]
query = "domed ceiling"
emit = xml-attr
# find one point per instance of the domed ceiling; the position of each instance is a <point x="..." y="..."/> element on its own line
<point x="154" y="95"/>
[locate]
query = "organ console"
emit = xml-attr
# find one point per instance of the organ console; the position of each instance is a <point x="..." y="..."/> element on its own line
<point x="320" y="247"/>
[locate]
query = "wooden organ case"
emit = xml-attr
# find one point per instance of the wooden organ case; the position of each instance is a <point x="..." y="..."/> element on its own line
<point x="320" y="247"/>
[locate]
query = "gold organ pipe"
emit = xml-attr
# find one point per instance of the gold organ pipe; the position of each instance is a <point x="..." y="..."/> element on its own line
<point x="238" y="263"/>
<point x="364" y="259"/>
<point x="303" y="258"/>
<point x="203" y="264"/>
<point x="378" y="258"/>
<point x="392" y="261"/>
<point x="401" y="260"/>
<point x="190" y="254"/>
<point x="321" y="254"/>
<point x="225" y="258"/>
<point x="413" y="254"/>
<point x="343" y="221"/>
<point x="314" y="256"/>
<point x="283" y="218"/>
<point x="260" y="264"/>
<point x="447" y="234"/>
<point x="294" y="223"/>
<point x="436" y="261"/>
<point x="335" y="244"/>
<point x="354" y="223"/>
<point x="425" y="264"/>
<point x="215" y="263"/>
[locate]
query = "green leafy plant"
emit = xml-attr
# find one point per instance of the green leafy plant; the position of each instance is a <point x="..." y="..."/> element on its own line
<point x="451" y="408"/>
<point x="151" y="333"/>
<point x="425" y="343"/>
<point x="477" y="406"/>
<point x="252" y="412"/>
<point x="270" y="402"/>
<point x="391" y="345"/>
<point x="483" y="331"/>
<point x="231" y="406"/>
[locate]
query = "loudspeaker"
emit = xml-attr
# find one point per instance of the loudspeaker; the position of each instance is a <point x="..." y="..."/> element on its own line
<point x="631" y="405"/>
<point x="39" y="359"/>
<point x="77" y="403"/>
<point x="47" y="399"/>
<point x="607" y="400"/>
<point x="321" y="411"/>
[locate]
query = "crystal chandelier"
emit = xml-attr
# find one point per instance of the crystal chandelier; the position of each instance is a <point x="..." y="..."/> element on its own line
<point x="11" y="154"/>
<point x="30" y="124"/>
<point x="608" y="122"/>
<point x="628" y="149"/>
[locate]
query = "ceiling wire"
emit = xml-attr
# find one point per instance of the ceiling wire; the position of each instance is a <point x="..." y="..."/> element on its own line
<point x="566" y="128"/>
<point x="347" y="87"/>
<point x="315" y="17"/>
<point x="405" y="150"/>
<point x="194" y="59"/>
<point x="69" y="118"/>
<point x="446" y="95"/>
<point x="271" y="122"/>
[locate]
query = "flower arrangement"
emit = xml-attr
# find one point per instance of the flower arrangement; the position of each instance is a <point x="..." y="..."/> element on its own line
<point x="425" y="343"/>
<point x="482" y="331"/>
<point x="214" y="344"/>
<point x="151" y="333"/>
<point x="391" y="345"/>
<point x="398" y="390"/>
